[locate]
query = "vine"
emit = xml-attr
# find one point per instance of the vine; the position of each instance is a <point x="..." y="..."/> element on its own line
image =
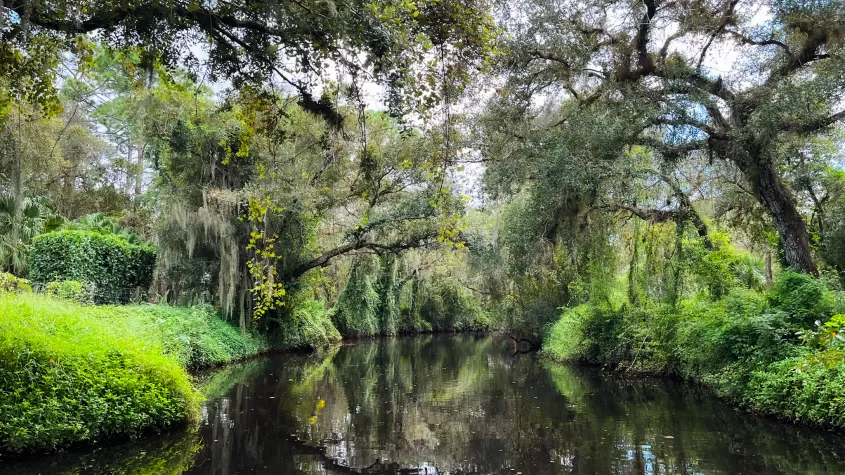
<point x="268" y="292"/>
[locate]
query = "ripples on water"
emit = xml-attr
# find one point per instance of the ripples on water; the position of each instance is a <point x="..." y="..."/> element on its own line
<point x="456" y="405"/>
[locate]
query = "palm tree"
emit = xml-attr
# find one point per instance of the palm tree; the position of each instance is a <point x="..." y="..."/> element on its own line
<point x="21" y="219"/>
<point x="100" y="223"/>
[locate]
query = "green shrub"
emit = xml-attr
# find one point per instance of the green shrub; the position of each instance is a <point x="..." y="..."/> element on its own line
<point x="802" y="298"/>
<point x="71" y="375"/>
<point x="564" y="341"/>
<point x="827" y="334"/>
<point x="721" y="268"/>
<point x="112" y="264"/>
<point x="308" y="326"/>
<point x="806" y="388"/>
<point x="712" y="335"/>
<point x="742" y="345"/>
<point x="74" y="290"/>
<point x="10" y="283"/>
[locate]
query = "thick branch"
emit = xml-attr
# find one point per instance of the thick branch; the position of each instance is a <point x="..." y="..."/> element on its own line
<point x="770" y="42"/>
<point x="644" y="61"/>
<point x="813" y="126"/>
<point x="673" y="152"/>
<point x="324" y="259"/>
<point x="551" y="56"/>
<point x="808" y="53"/>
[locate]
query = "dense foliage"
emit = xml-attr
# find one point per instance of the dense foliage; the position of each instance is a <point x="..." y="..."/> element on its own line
<point x="654" y="185"/>
<point x="10" y="283"/>
<point x="768" y="351"/>
<point x="115" y="267"/>
<point x="195" y="337"/>
<point x="78" y="373"/>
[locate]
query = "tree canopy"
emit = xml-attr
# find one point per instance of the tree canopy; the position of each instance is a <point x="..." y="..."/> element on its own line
<point x="401" y="45"/>
<point x="273" y="150"/>
<point x="653" y="64"/>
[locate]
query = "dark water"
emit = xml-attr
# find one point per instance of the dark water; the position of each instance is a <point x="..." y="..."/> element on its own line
<point x="457" y="405"/>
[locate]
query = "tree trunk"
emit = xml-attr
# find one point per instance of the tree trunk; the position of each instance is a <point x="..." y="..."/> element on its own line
<point x="139" y="177"/>
<point x="768" y="267"/>
<point x="127" y="168"/>
<point x="17" y="176"/>
<point x="790" y="225"/>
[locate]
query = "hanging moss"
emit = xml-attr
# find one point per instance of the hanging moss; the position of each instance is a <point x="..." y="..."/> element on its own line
<point x="389" y="314"/>
<point x="357" y="309"/>
<point x="199" y="257"/>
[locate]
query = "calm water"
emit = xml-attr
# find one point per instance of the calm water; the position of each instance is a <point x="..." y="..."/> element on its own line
<point x="457" y="405"/>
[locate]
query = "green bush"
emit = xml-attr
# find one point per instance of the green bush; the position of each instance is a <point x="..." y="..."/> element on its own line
<point x="802" y="298"/>
<point x="721" y="268"/>
<point x="712" y="335"/>
<point x="806" y="388"/>
<point x="112" y="264"/>
<point x="564" y="341"/>
<point x="10" y="283"/>
<point x="308" y="326"/>
<point x="743" y="345"/>
<point x="71" y="375"/>
<point x="74" y="290"/>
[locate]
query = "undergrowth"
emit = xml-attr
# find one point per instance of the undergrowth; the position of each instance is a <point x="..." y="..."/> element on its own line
<point x="70" y="375"/>
<point x="774" y="352"/>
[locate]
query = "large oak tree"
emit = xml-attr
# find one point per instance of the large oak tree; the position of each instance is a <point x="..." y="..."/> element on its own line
<point x="732" y="79"/>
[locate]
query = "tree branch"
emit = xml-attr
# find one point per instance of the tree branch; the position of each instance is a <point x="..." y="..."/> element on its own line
<point x="726" y="19"/>
<point x="326" y="258"/>
<point x="770" y="42"/>
<point x="814" y="126"/>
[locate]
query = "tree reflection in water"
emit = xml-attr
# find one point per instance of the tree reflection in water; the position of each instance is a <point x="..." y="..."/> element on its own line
<point x="463" y="404"/>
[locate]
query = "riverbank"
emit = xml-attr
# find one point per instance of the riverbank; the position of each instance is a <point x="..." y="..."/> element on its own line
<point x="776" y="353"/>
<point x="78" y="374"/>
<point x="446" y="402"/>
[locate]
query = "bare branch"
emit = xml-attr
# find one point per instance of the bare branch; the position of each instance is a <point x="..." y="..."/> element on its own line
<point x="726" y="19"/>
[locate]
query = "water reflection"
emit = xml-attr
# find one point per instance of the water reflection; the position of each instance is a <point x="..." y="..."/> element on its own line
<point x="459" y="404"/>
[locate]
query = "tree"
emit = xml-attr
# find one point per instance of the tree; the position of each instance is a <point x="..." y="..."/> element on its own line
<point x="62" y="158"/>
<point x="402" y="45"/>
<point x="254" y="192"/>
<point x="21" y="219"/>
<point x="652" y="61"/>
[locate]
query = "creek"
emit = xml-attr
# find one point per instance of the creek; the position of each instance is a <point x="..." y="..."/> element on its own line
<point x="455" y="404"/>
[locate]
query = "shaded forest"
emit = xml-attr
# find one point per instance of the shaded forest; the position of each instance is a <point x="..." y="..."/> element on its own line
<point x="654" y="186"/>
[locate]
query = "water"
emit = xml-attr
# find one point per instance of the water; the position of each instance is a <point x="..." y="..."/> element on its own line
<point x="457" y="405"/>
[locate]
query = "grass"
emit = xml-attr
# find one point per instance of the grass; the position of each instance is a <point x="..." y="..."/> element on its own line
<point x="69" y="375"/>
<point x="196" y="337"/>
<point x="74" y="373"/>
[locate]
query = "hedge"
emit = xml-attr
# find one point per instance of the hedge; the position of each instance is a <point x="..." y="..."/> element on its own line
<point x="112" y="264"/>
